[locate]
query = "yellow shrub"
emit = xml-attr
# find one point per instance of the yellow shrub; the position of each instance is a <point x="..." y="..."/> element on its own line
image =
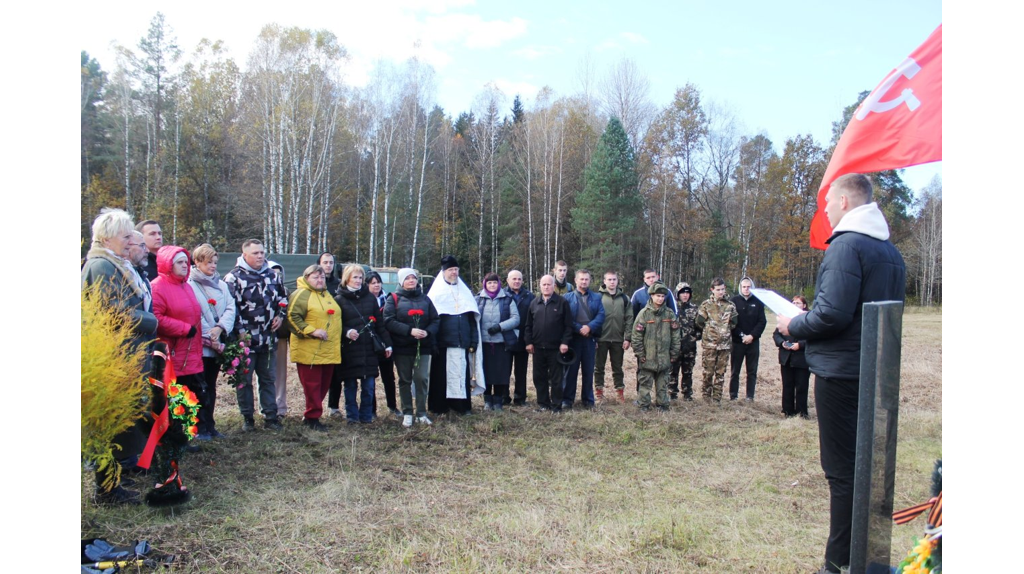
<point x="112" y="382"/>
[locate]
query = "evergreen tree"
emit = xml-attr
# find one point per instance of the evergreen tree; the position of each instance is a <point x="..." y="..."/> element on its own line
<point x="607" y="208"/>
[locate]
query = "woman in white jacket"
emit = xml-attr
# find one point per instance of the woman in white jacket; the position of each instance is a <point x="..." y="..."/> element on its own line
<point x="218" y="313"/>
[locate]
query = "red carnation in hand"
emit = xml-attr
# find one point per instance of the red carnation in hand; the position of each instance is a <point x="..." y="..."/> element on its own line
<point x="212" y="302"/>
<point x="330" y="311"/>
<point x="373" y="319"/>
<point x="415" y="312"/>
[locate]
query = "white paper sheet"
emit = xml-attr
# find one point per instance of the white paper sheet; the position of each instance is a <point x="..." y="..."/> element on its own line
<point x="777" y="303"/>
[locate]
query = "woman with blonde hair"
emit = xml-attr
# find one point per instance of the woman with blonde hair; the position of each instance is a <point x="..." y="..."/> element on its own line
<point x="314" y="318"/>
<point x="362" y="329"/>
<point x="218" y="319"/>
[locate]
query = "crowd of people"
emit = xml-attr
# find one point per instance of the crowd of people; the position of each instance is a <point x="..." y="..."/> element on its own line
<point x="343" y="332"/>
<point x="447" y="345"/>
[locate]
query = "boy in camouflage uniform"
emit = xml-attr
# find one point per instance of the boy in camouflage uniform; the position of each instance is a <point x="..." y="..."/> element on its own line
<point x="689" y="334"/>
<point x="655" y="340"/>
<point x="717" y="317"/>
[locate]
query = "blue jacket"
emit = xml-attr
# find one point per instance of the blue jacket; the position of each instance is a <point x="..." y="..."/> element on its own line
<point x="596" y="308"/>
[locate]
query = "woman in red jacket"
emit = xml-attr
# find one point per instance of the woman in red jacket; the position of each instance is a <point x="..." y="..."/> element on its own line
<point x="178" y="314"/>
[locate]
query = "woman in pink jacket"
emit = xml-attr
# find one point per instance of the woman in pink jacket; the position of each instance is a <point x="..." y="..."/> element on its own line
<point x="178" y="315"/>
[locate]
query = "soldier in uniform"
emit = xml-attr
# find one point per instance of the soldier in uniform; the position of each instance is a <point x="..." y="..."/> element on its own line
<point x="717" y="317"/>
<point x="689" y="334"/>
<point x="656" y="342"/>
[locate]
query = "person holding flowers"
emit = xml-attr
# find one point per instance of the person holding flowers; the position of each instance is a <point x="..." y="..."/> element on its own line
<point x="218" y="319"/>
<point x="363" y="321"/>
<point x="315" y="320"/>
<point x="412" y="320"/>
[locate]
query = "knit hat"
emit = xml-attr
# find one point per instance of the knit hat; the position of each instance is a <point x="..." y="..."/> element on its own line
<point x="404" y="274"/>
<point x="657" y="287"/>
<point x="180" y="255"/>
<point x="448" y="261"/>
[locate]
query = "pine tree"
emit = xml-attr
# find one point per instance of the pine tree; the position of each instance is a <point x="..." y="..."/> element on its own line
<point x="606" y="210"/>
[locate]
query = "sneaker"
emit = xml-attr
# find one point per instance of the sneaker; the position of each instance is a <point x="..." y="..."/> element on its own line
<point x="750" y="399"/>
<point x="622" y="395"/>
<point x="117" y="495"/>
<point x="248" y="425"/>
<point x="424" y="420"/>
<point x="407" y="421"/>
<point x="204" y="436"/>
<point x="688" y="398"/>
<point x="543" y="409"/>
<point x="272" y="424"/>
<point x="217" y="434"/>
<point x="337" y="413"/>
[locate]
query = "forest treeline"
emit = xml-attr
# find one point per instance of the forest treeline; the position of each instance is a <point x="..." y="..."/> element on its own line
<point x="284" y="150"/>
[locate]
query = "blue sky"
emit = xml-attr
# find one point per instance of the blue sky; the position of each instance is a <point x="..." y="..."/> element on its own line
<point x="784" y="69"/>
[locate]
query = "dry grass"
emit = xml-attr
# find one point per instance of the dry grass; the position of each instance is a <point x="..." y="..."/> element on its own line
<point x="735" y="488"/>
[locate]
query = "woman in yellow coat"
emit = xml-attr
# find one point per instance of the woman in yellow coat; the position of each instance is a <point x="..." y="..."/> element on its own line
<point x="314" y="318"/>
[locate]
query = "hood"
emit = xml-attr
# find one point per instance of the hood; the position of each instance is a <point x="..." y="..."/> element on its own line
<point x="241" y="263"/>
<point x="301" y="283"/>
<point x="165" y="262"/>
<point x="866" y="220"/>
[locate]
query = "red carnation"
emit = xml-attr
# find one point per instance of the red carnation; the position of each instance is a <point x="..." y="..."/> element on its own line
<point x="212" y="302"/>
<point x="330" y="311"/>
<point x="282" y="304"/>
<point x="415" y="312"/>
<point x="373" y="319"/>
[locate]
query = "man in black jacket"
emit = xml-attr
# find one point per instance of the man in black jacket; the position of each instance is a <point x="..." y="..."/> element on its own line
<point x="548" y="332"/>
<point x="523" y="297"/>
<point x="746" y="338"/>
<point x="860" y="266"/>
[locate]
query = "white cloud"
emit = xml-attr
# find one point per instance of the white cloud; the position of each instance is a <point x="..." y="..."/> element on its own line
<point x="510" y="88"/>
<point x="607" y="45"/>
<point x="634" y="38"/>
<point x="472" y="30"/>
<point x="534" y="52"/>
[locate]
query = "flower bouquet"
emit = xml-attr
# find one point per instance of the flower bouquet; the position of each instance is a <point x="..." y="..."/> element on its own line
<point x="235" y="361"/>
<point x="416" y="314"/>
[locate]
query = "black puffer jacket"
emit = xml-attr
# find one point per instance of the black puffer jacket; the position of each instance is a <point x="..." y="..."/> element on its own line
<point x="459" y="331"/>
<point x="358" y="359"/>
<point x="400" y="324"/>
<point x="857" y="269"/>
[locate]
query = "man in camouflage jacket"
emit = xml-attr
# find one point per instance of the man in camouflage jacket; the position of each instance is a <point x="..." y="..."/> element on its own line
<point x="689" y="334"/>
<point x="656" y="341"/>
<point x="717" y="317"/>
<point x="260" y="303"/>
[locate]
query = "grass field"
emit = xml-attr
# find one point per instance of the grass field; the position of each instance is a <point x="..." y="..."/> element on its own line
<point x="736" y="488"/>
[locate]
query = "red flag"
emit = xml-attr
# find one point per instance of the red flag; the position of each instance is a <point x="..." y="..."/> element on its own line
<point x="898" y="125"/>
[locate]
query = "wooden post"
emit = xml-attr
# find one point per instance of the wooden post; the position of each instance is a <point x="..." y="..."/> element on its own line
<point x="878" y="417"/>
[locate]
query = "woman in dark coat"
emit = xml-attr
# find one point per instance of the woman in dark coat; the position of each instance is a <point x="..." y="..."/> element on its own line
<point x="362" y="320"/>
<point x="795" y="374"/>
<point x="412" y="320"/>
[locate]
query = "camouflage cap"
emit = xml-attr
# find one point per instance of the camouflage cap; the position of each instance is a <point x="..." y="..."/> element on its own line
<point x="657" y="287"/>
<point x="683" y="287"/>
